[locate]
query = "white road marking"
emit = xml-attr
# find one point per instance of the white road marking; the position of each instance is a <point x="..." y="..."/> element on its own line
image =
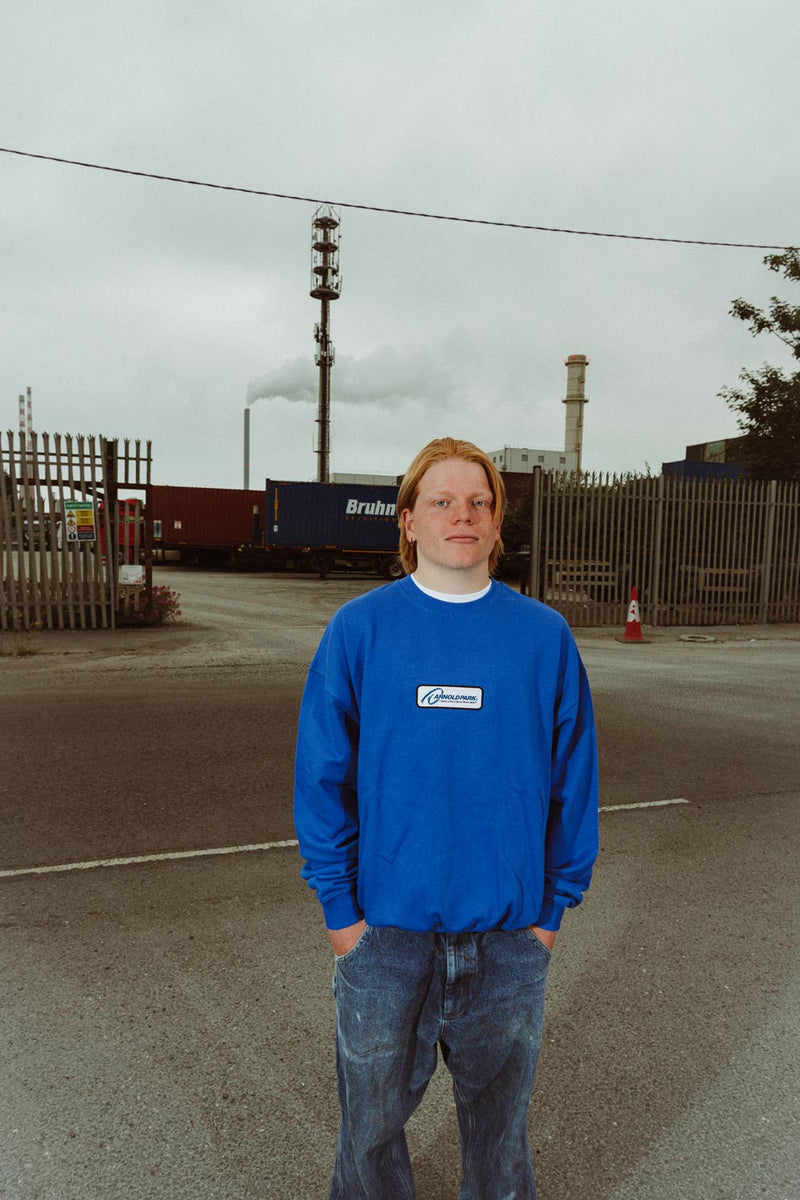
<point x="143" y="858"/>
<point x="643" y="804"/>
<point x="176" y="854"/>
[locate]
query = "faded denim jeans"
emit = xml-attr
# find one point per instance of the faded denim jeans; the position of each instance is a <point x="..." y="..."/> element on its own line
<point x="399" y="995"/>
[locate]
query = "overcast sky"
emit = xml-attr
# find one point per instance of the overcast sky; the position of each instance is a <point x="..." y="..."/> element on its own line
<point x="138" y="308"/>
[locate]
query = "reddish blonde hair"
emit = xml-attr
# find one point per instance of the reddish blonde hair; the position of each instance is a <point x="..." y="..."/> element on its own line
<point x="440" y="450"/>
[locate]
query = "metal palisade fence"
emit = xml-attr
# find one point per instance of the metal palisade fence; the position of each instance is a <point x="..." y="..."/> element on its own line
<point x="64" y="538"/>
<point x="699" y="552"/>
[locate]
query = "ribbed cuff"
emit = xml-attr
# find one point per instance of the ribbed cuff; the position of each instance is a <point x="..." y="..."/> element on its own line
<point x="341" y="911"/>
<point x="550" y="914"/>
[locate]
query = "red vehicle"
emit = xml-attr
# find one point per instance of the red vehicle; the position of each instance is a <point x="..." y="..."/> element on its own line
<point x="130" y="533"/>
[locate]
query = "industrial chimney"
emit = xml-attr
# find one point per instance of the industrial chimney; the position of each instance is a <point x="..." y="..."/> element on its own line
<point x="246" y="483"/>
<point x="575" y="399"/>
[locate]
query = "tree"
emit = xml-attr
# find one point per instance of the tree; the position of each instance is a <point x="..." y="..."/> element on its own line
<point x="769" y="401"/>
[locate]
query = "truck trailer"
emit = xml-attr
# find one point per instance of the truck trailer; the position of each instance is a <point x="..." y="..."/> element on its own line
<point x="330" y="526"/>
<point x="201" y="526"/>
<point x="290" y="525"/>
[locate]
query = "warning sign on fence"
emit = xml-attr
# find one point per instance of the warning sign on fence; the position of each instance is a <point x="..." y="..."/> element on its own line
<point x="79" y="521"/>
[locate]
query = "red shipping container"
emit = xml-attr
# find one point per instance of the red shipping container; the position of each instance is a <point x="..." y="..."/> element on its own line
<point x="194" y="519"/>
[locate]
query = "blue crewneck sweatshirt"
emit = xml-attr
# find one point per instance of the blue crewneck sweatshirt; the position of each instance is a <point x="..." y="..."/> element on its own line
<point x="446" y="773"/>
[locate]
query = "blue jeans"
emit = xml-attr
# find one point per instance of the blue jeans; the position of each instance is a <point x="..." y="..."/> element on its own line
<point x="480" y="996"/>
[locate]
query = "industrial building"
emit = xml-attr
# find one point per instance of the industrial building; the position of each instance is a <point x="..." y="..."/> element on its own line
<point x="523" y="459"/>
<point x="726" y="450"/>
<point x="709" y="460"/>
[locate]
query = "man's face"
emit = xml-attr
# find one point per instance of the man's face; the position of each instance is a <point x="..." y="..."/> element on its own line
<point x="452" y="522"/>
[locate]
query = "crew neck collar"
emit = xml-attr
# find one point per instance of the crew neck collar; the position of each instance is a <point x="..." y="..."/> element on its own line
<point x="452" y="597"/>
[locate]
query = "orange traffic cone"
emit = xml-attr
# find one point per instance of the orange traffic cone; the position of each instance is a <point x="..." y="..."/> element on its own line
<point x="633" y="628"/>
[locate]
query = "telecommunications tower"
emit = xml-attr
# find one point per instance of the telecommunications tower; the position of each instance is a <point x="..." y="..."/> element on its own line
<point x="325" y="286"/>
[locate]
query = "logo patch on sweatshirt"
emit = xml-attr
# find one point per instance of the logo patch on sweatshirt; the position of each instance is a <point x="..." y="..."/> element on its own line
<point x="437" y="695"/>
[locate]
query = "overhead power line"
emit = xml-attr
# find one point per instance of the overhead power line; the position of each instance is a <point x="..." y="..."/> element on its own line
<point x="399" y="212"/>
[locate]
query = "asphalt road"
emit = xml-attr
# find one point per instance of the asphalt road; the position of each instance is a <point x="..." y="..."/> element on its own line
<point x="167" y="1024"/>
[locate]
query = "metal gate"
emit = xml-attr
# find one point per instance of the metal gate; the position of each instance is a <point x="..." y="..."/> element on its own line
<point x="63" y="537"/>
<point x="699" y="552"/>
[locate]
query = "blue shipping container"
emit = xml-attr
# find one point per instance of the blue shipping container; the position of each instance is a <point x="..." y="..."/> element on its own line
<point x="690" y="469"/>
<point x="348" y="516"/>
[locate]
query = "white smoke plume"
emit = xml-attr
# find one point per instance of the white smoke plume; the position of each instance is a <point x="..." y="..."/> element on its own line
<point x="295" y="380"/>
<point x="384" y="378"/>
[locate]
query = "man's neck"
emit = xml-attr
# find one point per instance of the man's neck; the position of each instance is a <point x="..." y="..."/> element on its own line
<point x="451" y="582"/>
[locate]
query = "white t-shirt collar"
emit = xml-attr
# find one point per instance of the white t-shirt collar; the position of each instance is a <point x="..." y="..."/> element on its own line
<point x="454" y="597"/>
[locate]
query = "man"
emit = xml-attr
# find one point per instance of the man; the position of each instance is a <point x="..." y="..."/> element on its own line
<point x="446" y="807"/>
